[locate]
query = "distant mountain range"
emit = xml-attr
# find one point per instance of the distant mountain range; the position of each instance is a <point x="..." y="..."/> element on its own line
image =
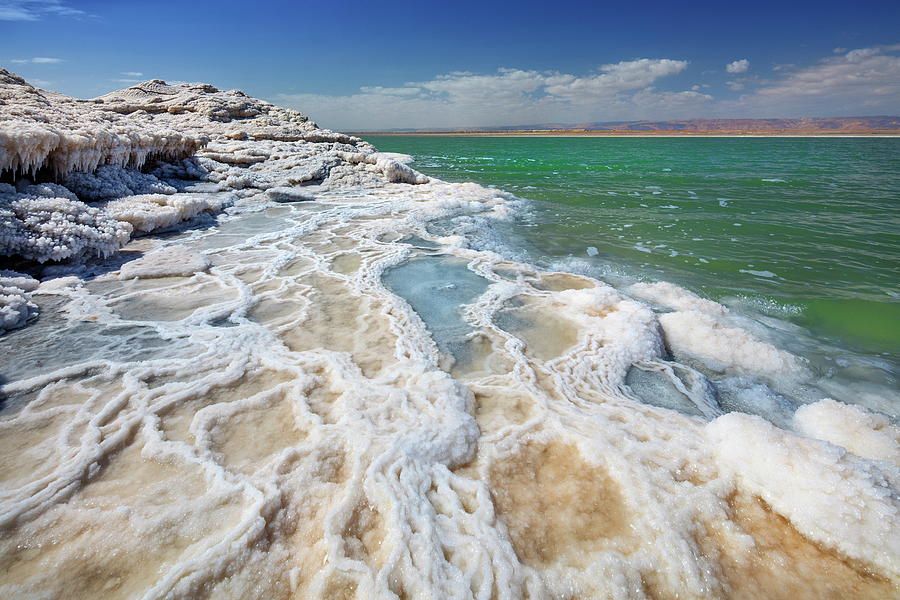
<point x="836" y="124"/>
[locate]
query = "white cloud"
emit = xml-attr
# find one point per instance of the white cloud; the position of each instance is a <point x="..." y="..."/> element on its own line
<point x="738" y="66"/>
<point x="127" y="81"/>
<point x="34" y="10"/>
<point x="132" y="74"/>
<point x="39" y="60"/>
<point x="865" y="81"/>
<point x="506" y="97"/>
<point x="865" y="75"/>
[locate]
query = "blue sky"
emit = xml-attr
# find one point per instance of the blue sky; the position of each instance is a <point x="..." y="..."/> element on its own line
<point x="369" y="65"/>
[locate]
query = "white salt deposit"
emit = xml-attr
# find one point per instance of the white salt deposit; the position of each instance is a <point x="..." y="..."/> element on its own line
<point x="95" y="148"/>
<point x="831" y="497"/>
<point x="245" y="409"/>
<point x="862" y="432"/>
<point x="669" y="295"/>
<point x="42" y="228"/>
<point x="171" y="261"/>
<point x="722" y="347"/>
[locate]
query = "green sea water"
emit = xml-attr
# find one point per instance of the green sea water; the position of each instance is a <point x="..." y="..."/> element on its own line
<point x="802" y="229"/>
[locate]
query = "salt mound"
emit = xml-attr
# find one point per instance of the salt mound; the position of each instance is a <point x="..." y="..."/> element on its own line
<point x="675" y="297"/>
<point x="26" y="283"/>
<point x="830" y="496"/>
<point x="95" y="148"/>
<point x="174" y="261"/>
<point x="723" y="348"/>
<point x="864" y="433"/>
<point x="288" y="194"/>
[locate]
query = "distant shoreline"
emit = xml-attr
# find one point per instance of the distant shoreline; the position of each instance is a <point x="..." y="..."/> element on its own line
<point x="641" y="134"/>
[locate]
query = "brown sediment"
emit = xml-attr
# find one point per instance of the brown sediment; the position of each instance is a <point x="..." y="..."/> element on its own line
<point x="557" y="282"/>
<point x="779" y="562"/>
<point x="247" y="439"/>
<point x="557" y="506"/>
<point x="364" y="535"/>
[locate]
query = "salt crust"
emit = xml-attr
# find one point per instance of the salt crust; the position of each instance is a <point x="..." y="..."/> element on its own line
<point x="279" y="426"/>
<point x="829" y="495"/>
<point x="171" y="261"/>
<point x="723" y="347"/>
<point x="862" y="432"/>
<point x="94" y="147"/>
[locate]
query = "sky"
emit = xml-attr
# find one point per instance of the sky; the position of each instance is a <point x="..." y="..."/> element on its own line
<point x="363" y="66"/>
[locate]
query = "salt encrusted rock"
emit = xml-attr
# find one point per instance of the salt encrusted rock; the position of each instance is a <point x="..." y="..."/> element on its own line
<point x="43" y="130"/>
<point x="150" y="212"/>
<point x="288" y="194"/>
<point x="174" y="261"/>
<point x="113" y="181"/>
<point x="186" y="168"/>
<point x="16" y="308"/>
<point x="43" y="229"/>
<point x="722" y="347"/>
<point x="96" y="147"/>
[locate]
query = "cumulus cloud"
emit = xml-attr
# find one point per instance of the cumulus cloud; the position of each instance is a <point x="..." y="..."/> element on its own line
<point x="505" y="97"/>
<point x="34" y="10"/>
<point x="38" y="60"/>
<point x="862" y="81"/>
<point x="738" y="66"/>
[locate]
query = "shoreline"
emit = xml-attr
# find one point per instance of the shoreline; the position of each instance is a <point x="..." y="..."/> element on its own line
<point x="621" y="134"/>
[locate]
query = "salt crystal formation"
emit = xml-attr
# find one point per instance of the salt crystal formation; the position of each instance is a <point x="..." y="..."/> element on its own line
<point x="15" y="306"/>
<point x="331" y="390"/>
<point x="43" y="225"/>
<point x="95" y="149"/>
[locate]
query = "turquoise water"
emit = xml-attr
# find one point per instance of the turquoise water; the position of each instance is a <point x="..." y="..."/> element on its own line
<point x="803" y="229"/>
